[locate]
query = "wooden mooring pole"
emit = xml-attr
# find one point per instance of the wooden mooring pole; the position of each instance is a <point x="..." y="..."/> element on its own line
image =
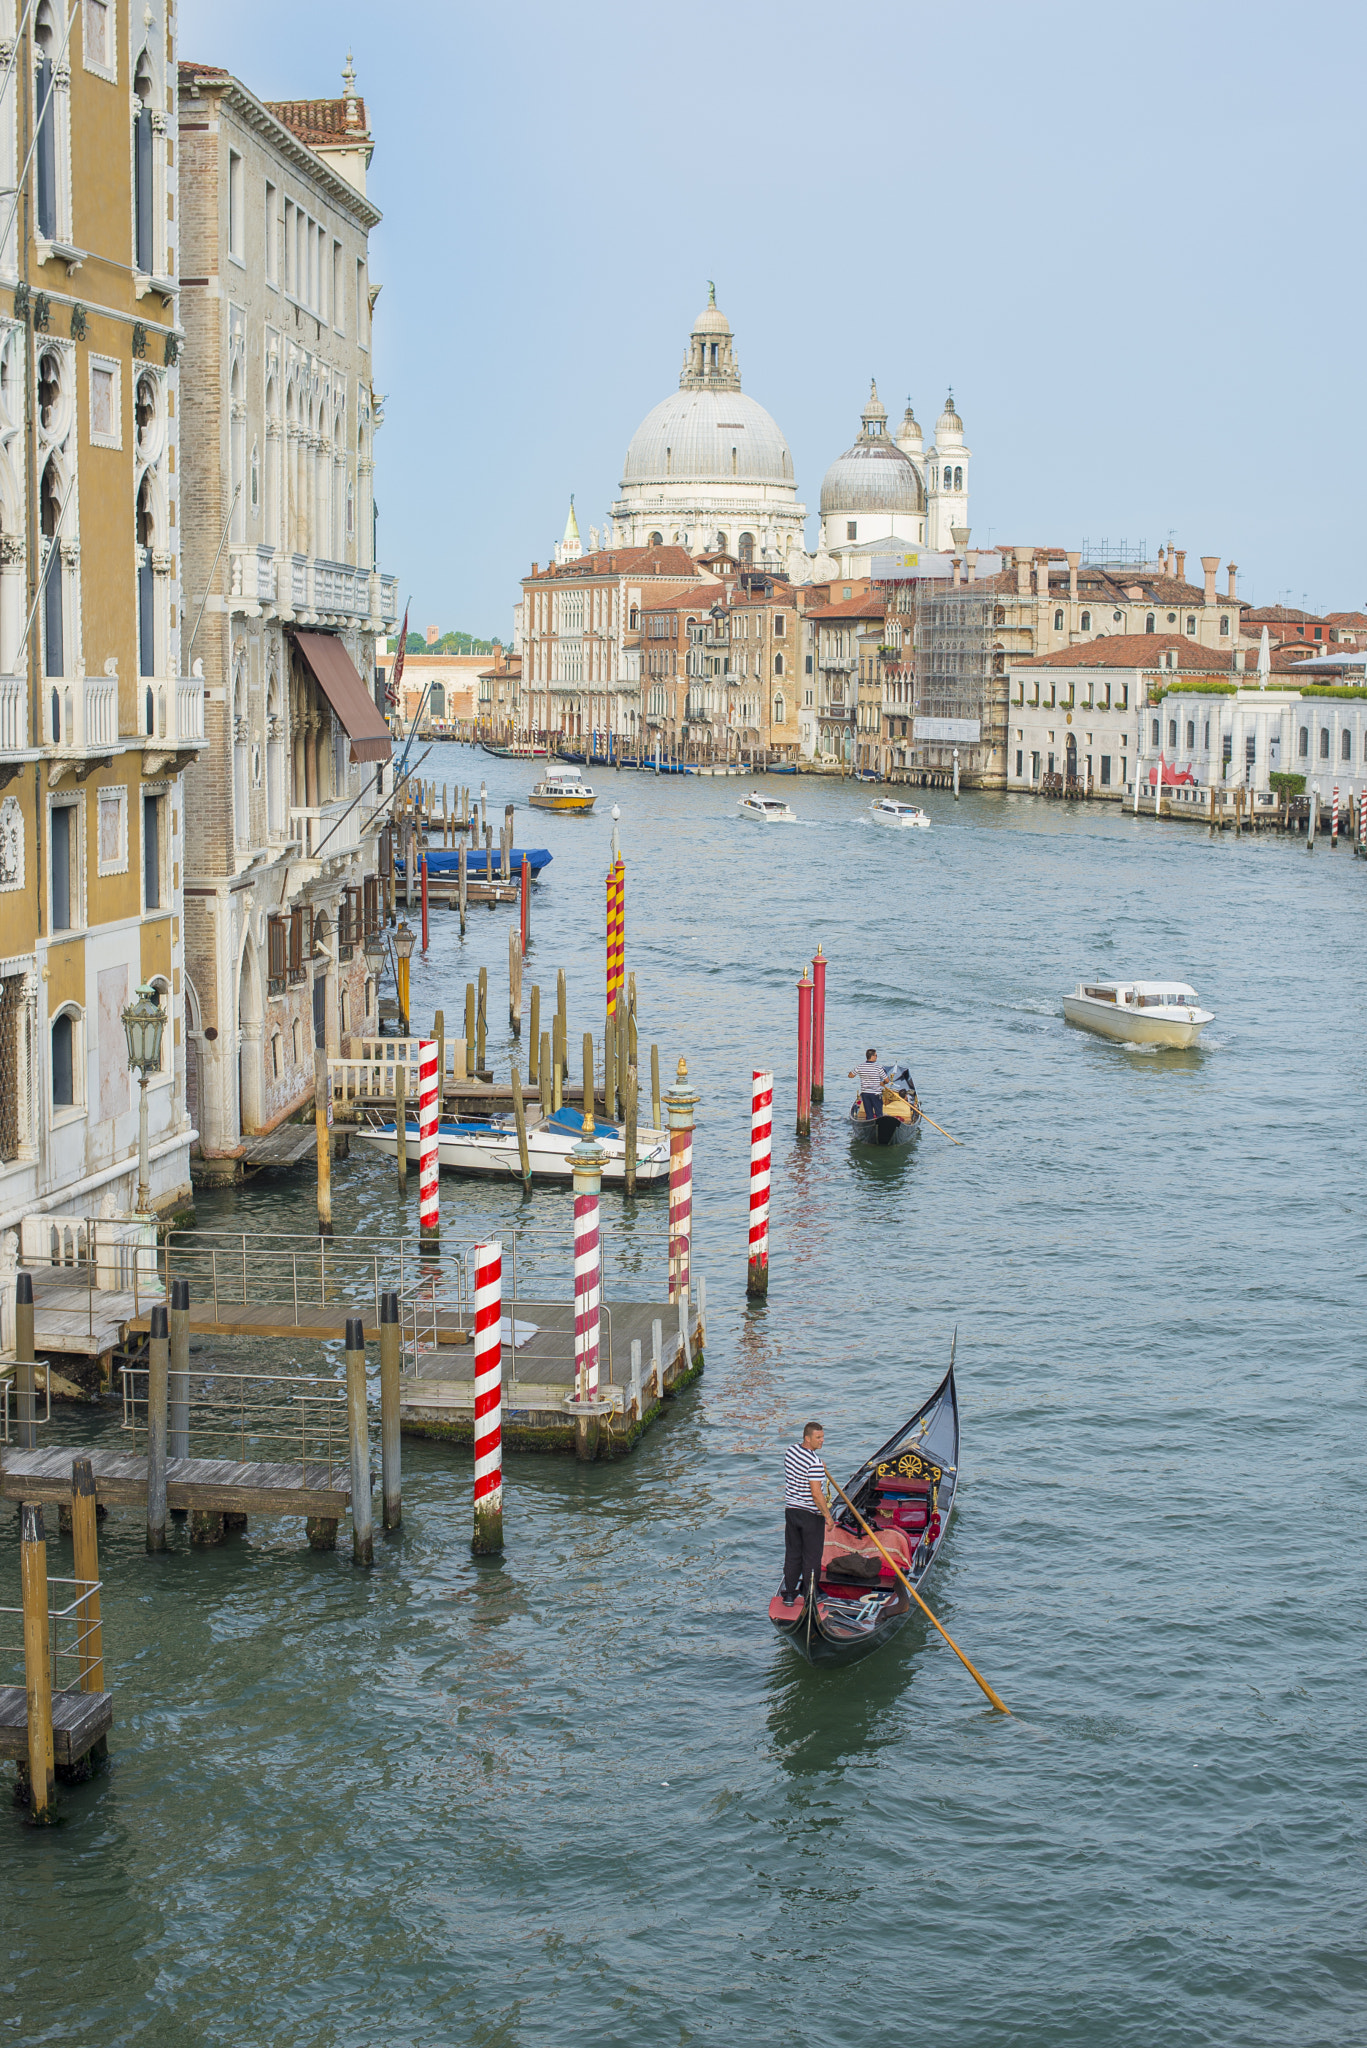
<point x="520" y="1119"/>
<point x="178" y="1381"/>
<point x="158" y="1370"/>
<point x="401" y="1124"/>
<point x="534" y="1043"/>
<point x="469" y="1029"/>
<point x="358" y="1430"/>
<point x="629" y="1132"/>
<point x="481" y="1019"/>
<point x="545" y="1070"/>
<point x="514" y="982"/>
<point x="322" y="1121"/>
<point x="391" y="1476"/>
<point x="25" y="1367"/>
<point x="657" y="1122"/>
<point x="37" y="1664"/>
<point x="85" y="1545"/>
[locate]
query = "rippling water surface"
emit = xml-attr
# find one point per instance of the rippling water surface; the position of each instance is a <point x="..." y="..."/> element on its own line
<point x="583" y="1795"/>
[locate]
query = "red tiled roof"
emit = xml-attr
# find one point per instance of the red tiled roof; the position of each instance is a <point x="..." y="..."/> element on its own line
<point x="870" y="606"/>
<point x="661" y="561"/>
<point x="1135" y="650"/>
<point x="1281" y="615"/>
<point x="188" y="70"/>
<point x="671" y="600"/>
<point x="1346" y="618"/>
<point x="320" y="121"/>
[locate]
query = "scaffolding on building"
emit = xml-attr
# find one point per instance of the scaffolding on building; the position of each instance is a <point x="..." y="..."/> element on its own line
<point x="960" y="679"/>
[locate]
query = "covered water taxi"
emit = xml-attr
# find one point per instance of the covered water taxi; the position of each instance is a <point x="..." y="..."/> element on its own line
<point x="562" y="789"/>
<point x="1139" y="1012"/>
<point x="905" y="817"/>
<point x="770" y="810"/>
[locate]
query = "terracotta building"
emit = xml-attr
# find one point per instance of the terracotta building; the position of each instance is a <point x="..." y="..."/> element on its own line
<point x="97" y="719"/>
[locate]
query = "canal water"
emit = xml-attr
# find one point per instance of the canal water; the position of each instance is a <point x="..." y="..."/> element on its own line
<point x="583" y="1795"/>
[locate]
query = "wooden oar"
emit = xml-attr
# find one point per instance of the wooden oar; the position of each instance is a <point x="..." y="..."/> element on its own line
<point x="935" y="1127"/>
<point x="997" y="1701"/>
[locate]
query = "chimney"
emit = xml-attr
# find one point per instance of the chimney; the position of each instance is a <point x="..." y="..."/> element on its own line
<point x="534" y="569"/>
<point x="1180" y="557"/>
<point x="955" y="559"/>
<point x="1042" y="571"/>
<point x="1210" y="563"/>
<point x="972" y="559"/>
<point x="1163" y="560"/>
<point x="1073" y="561"/>
<point x="1233" y="572"/>
<point x="1022" y="572"/>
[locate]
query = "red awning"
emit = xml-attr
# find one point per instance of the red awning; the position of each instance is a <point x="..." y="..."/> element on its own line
<point x="335" y="674"/>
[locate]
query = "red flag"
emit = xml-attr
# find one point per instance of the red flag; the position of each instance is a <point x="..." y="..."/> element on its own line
<point x="391" y="695"/>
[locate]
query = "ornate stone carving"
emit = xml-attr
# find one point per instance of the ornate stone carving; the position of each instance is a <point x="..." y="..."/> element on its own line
<point x="11" y="844"/>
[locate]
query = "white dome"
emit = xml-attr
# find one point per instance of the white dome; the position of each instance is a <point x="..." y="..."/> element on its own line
<point x="690" y="438"/>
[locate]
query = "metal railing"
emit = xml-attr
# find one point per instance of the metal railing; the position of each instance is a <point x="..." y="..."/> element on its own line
<point x="303" y="1414"/>
<point x="75" y="1623"/>
<point x="238" y="1269"/>
<point x="113" y="1255"/>
<point x="9" y="1389"/>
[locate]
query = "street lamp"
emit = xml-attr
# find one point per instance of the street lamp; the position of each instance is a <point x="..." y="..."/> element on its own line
<point x="404" y="942"/>
<point x="144" y="1021"/>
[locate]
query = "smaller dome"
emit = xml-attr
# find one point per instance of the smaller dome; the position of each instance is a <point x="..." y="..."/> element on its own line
<point x="875" y="475"/>
<point x="711" y="320"/>
<point x="949" y="421"/>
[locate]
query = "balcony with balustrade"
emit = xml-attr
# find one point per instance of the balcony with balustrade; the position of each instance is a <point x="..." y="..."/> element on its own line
<point x="336" y="830"/>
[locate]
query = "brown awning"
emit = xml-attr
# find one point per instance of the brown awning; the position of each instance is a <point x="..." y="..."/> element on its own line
<point x="336" y="676"/>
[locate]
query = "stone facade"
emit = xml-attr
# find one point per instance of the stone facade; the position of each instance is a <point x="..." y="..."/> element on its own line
<point x="97" y="721"/>
<point x="279" y="419"/>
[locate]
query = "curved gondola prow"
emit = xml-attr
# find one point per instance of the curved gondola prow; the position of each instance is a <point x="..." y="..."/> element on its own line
<point x="946" y="1390"/>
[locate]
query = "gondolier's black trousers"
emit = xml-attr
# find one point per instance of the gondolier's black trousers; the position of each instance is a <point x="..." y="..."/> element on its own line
<point x="873" y="1106"/>
<point x="804" y="1539"/>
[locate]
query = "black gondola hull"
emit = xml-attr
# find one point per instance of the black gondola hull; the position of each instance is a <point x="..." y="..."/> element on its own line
<point x="836" y="1630"/>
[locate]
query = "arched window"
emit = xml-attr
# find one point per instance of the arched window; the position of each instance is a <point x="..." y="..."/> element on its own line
<point x="241" y="815"/>
<point x="746" y="549"/>
<point x="346" y="1009"/>
<point x="256" y="480"/>
<point x="1324" y="743"/>
<point x="1086" y="622"/>
<point x="1224" y="628"/>
<point x="298" y="1041"/>
<point x="68" y="1058"/>
<point x="1191" y="623"/>
<point x="958" y="478"/>
<point x="780" y="709"/>
<point x="144" y="537"/>
<point x="1058" y="622"/>
<point x="54" y="642"/>
<point x="633" y="619"/>
<point x="144" y="197"/>
<point x="778" y="664"/>
<point x="1346" y="748"/>
<point x="1148" y="622"/>
<point x="656" y="540"/>
<point x="1303" y="748"/>
<point x="49" y="43"/>
<point x="275" y="759"/>
<point x="1191" y="734"/>
<point x="1172" y="732"/>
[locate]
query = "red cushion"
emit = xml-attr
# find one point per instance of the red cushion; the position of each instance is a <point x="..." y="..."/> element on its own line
<point x="905" y="1486"/>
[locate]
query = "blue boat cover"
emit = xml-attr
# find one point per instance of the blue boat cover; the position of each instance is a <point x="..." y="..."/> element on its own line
<point x="445" y="860"/>
<point x="573" y="1120"/>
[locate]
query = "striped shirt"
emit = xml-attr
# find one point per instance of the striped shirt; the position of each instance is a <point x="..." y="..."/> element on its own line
<point x="799" y="1467"/>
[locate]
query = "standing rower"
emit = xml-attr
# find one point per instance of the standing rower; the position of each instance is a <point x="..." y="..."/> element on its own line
<point x="806" y="1516"/>
<point x="870" y="1076"/>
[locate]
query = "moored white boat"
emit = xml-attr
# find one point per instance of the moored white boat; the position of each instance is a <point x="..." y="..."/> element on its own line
<point x="562" y="789"/>
<point x="488" y="1147"/>
<point x="888" y="811"/>
<point x="770" y="810"/>
<point x="1139" y="1012"/>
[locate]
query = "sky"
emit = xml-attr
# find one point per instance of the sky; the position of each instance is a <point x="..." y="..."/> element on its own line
<point x="1128" y="238"/>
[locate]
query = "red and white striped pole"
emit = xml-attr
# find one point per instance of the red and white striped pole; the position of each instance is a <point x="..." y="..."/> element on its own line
<point x="586" y="1160"/>
<point x="761" y="1146"/>
<point x="1334" y="824"/>
<point x="429" y="1213"/>
<point x="680" y="1103"/>
<point x="819" y="1025"/>
<point x="488" y="1536"/>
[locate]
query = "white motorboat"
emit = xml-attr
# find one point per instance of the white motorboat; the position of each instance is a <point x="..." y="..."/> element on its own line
<point x="1140" y="1012"/>
<point x="488" y="1147"/>
<point x="770" y="810"/>
<point x="888" y="811"/>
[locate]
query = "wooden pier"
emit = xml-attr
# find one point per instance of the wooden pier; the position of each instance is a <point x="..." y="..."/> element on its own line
<point x="203" y="1485"/>
<point x="79" y="1721"/>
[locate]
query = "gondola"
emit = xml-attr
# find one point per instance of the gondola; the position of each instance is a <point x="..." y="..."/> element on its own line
<point x="902" y="1120"/>
<point x="905" y="1492"/>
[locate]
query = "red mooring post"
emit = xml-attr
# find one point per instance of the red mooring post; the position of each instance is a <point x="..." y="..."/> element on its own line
<point x="761" y="1146"/>
<point x="424" y="903"/>
<point x="526" y="902"/>
<point x="819" y="1025"/>
<point x="804" y="1056"/>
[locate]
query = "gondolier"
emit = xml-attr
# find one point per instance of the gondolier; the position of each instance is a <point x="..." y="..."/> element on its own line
<point x="806" y="1517"/>
<point x="870" y="1076"/>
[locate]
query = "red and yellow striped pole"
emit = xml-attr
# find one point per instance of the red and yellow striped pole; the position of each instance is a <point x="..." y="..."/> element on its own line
<point x="616" y="949"/>
<point x="488" y="1536"/>
<point x="761" y="1145"/>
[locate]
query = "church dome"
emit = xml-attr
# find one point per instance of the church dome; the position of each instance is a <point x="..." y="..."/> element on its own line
<point x="704" y="435"/>
<point x="875" y="475"/>
<point x="949" y="426"/>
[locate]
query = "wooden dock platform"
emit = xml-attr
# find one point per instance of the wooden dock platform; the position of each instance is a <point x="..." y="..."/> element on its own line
<point x="79" y="1721"/>
<point x="320" y="1320"/>
<point x="214" y="1485"/>
<point x="72" y="1318"/>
